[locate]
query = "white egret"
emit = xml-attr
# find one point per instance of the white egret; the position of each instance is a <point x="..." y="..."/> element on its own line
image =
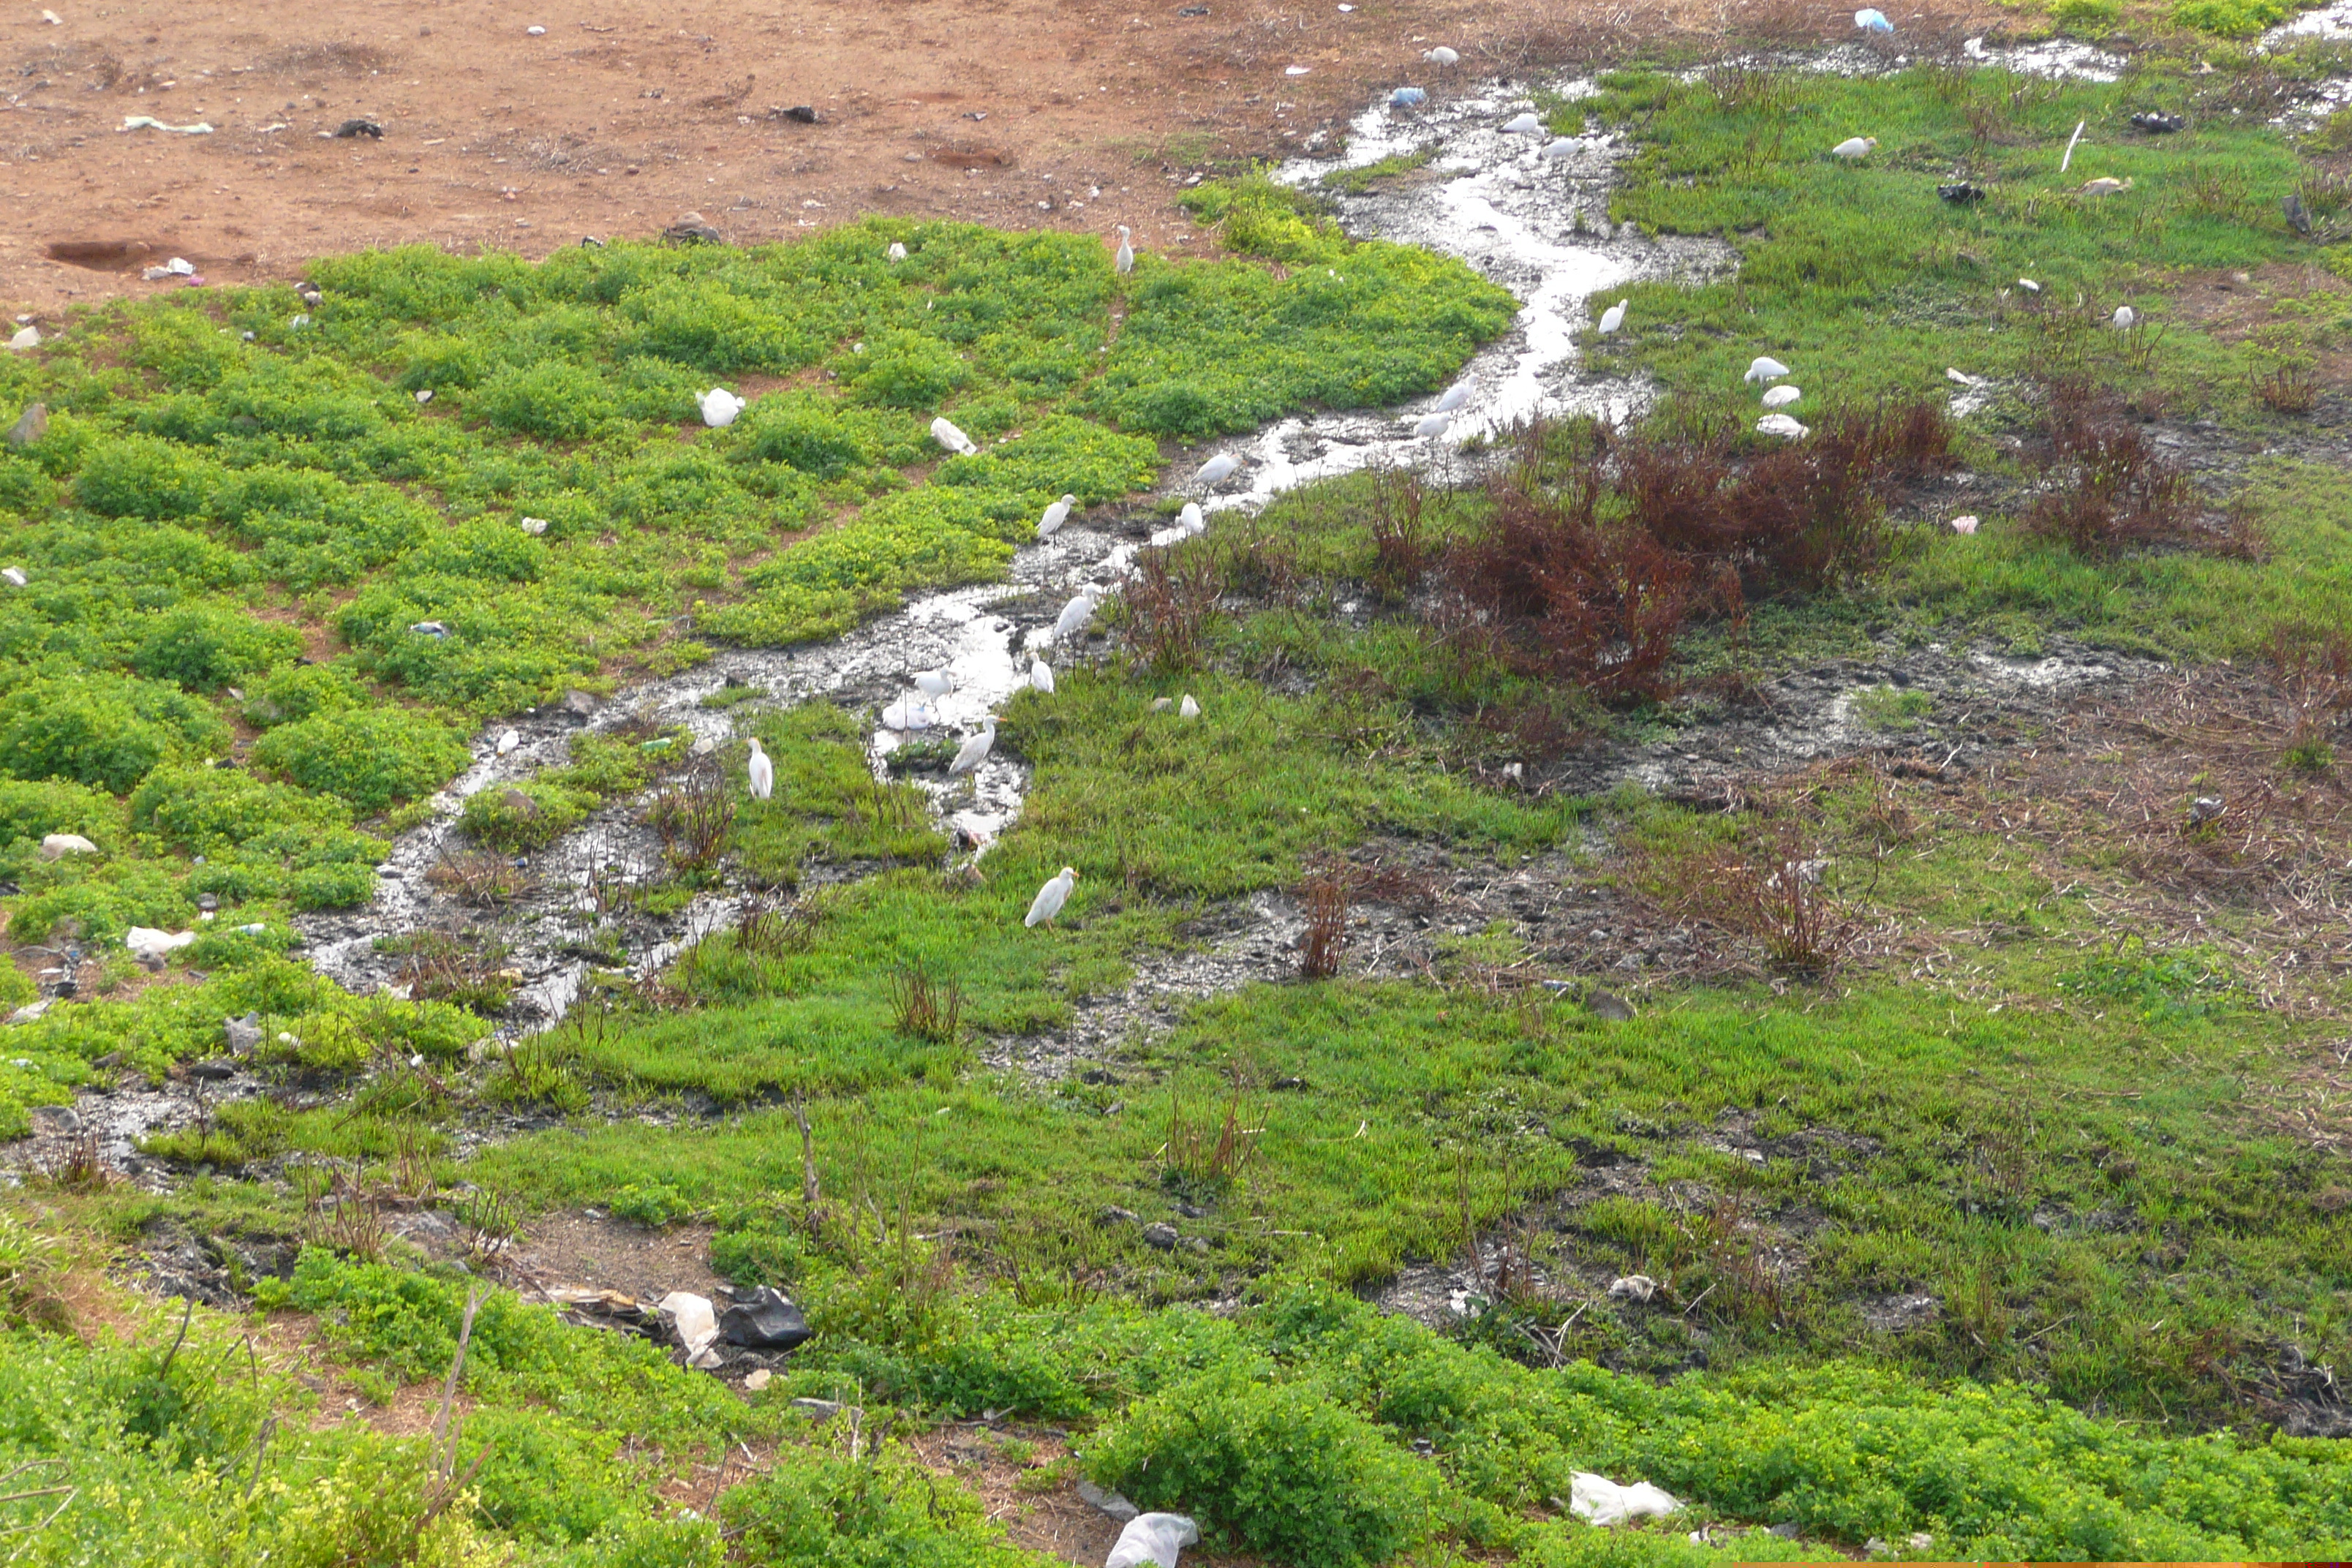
<point x="1191" y="519"/>
<point x="1854" y="146"/>
<point x="1188" y="709"/>
<point x="974" y="751"/>
<point x="1559" y="148"/>
<point x="2125" y="317"/>
<point x="507" y="741"/>
<point x="1125" y="259"/>
<point x="1432" y="426"/>
<point x="1050" y="898"/>
<point x="1780" y="397"/>
<point x="1782" y="425"/>
<point x="1218" y="469"/>
<point x="953" y="440"/>
<point x="1523" y="125"/>
<point x="720" y="407"/>
<point x="763" y="772"/>
<point x="897" y="251"/>
<point x="1965" y="523"/>
<point x="1074" y="615"/>
<point x="1457" y="395"/>
<point x="1764" y="367"/>
<point x="1612" y="318"/>
<point x="1441" y="56"/>
<point x="1040" y="677"/>
<point x="935" y="682"/>
<point x="1056" y="515"/>
<point x="907" y="716"/>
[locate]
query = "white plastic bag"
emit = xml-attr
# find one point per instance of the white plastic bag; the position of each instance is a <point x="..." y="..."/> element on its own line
<point x="1596" y="1499"/>
<point x="1152" y="1541"/>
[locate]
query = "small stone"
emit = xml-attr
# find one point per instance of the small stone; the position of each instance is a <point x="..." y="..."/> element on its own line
<point x="1162" y="1234"/>
<point x="30" y="426"/>
<point x="1632" y="1287"/>
<point x="1610" y="1006"/>
<point x="580" y="704"/>
<point x="817" y="1409"/>
<point x="758" y="1380"/>
<point x="241" y="1035"/>
<point x="56" y="1120"/>
<point x="1114" y="1214"/>
<point x="1106" y="1501"/>
<point x="58" y="845"/>
<point x="30" y="1011"/>
<point x="212" y="1072"/>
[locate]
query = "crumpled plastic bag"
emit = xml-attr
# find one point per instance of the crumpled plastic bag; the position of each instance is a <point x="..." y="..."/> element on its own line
<point x="1152" y="1541"/>
<point x="697" y="1325"/>
<point x="1596" y="1499"/>
<point x="720" y="407"/>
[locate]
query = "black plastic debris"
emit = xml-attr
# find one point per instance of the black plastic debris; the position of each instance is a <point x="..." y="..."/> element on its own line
<point x="2156" y="122"/>
<point x="806" y="113"/>
<point x="1960" y="192"/>
<point x="765" y="1319"/>
<point x="369" y="128"/>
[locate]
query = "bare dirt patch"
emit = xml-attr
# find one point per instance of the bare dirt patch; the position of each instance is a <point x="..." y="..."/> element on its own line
<point x="584" y="1248"/>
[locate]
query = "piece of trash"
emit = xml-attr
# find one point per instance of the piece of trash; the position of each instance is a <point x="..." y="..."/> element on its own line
<point x="25" y="338"/>
<point x="1596" y="1499"/>
<point x="535" y="32"/>
<point x="765" y="1319"/>
<point x="1407" y="98"/>
<point x="52" y="19"/>
<point x="1962" y="378"/>
<point x="424" y="396"/>
<point x="1960" y="192"/>
<point x="695" y="1324"/>
<point x="897" y="253"/>
<point x="300" y="321"/>
<point x="1873" y="22"/>
<point x="720" y="407"/>
<point x="1965" y="523"/>
<point x="150" y="946"/>
<point x="149" y="122"/>
<point x="2105" y="185"/>
<point x="1152" y="1541"/>
<point x="2029" y="285"/>
<point x="58" y="845"/>
<point x="2156" y="122"/>
<point x="428" y="628"/>
<point x="1191" y="10"/>
<point x="1632" y="1287"/>
<point x="954" y="440"/>
<point x="534" y="526"/>
<point x="2071" y="141"/>
<point x="180" y="265"/>
<point x="1188" y="709"/>
<point x="14" y="575"/>
<point x="2205" y="808"/>
<point x="1294" y="70"/>
<point x="368" y="128"/>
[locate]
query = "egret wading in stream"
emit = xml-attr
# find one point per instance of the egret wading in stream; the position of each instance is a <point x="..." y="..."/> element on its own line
<point x="1050" y="899"/>
<point x="1457" y="395"/>
<point x="935" y="682"/>
<point x="1125" y="260"/>
<point x="1217" y="469"/>
<point x="1430" y="426"/>
<point x="974" y="751"/>
<point x="1056" y="515"/>
<point x="1523" y="125"/>
<point x="1074" y="617"/>
<point x="763" y="772"/>
<point x="1612" y="318"/>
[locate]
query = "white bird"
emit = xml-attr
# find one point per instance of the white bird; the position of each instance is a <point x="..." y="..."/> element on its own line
<point x="2125" y="317"/>
<point x="1441" y="56"/>
<point x="1854" y="146"/>
<point x="2029" y="285"/>
<point x="508" y="742"/>
<point x="720" y="407"/>
<point x="935" y="682"/>
<point x="907" y="716"/>
<point x="1457" y="395"/>
<point x="1074" y="615"/>
<point x="1780" y="397"/>
<point x="1432" y="426"/>
<point x="1191" y="519"/>
<point x="534" y="526"/>
<point x="1056" y="515"/>
<point x="1040" y="677"/>
<point x="1764" y="367"/>
<point x="1188" y="709"/>
<point x="974" y="751"/>
<point x="763" y="774"/>
<point x="1782" y="425"/>
<point x="1612" y="318"/>
<point x="953" y="440"/>
<point x="897" y="251"/>
<point x="1965" y="523"/>
<point x="1562" y="147"/>
<point x="1962" y="378"/>
<point x="1050" y="898"/>
<point x="1523" y="125"/>
<point x="1218" y="469"/>
<point x="1125" y="260"/>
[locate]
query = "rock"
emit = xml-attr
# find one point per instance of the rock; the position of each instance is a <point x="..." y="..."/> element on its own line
<point x="1610" y="1006"/>
<point x="765" y="1319"/>
<point x="212" y="1072"/>
<point x="1114" y="1214"/>
<point x="817" y="1409"/>
<point x="58" y="845"/>
<point x="1108" y="1502"/>
<point x="56" y="1120"/>
<point x="30" y="1011"/>
<point x="241" y="1035"/>
<point x="1789" y="1531"/>
<point x="691" y="229"/>
<point x="1152" y="1541"/>
<point x="580" y="704"/>
<point x="1162" y="1234"/>
<point x="758" y="1380"/>
<point x="30" y="426"/>
<point x="1632" y="1287"/>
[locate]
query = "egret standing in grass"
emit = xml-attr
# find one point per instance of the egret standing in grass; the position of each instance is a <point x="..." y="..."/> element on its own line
<point x="1191" y="520"/>
<point x="2125" y="317"/>
<point x="974" y="751"/>
<point x="720" y="407"/>
<point x="1559" y="148"/>
<point x="1612" y="318"/>
<point x="1056" y="515"/>
<point x="763" y="772"/>
<point x="1854" y="146"/>
<point x="1188" y="709"/>
<point x="1125" y="260"/>
<point x="1040" y="677"/>
<point x="1050" y="899"/>
<point x="1764" y="367"/>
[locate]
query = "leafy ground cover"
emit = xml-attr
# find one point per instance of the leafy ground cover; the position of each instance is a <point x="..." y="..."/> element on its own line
<point x="1939" y="1161"/>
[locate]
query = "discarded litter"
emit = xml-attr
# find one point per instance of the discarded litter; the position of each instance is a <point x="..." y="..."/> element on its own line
<point x="2157" y="124"/>
<point x="14" y="575"/>
<point x="1782" y="425"/>
<point x="1632" y="1287"/>
<point x="1965" y="523"/>
<point x="1873" y="22"/>
<point x="695" y="1324"/>
<point x="720" y="407"/>
<point x="944" y="431"/>
<point x="1152" y="1541"/>
<point x="150" y="946"/>
<point x="149" y="122"/>
<point x="368" y="128"/>
<point x="25" y="338"/>
<point x="1960" y="192"/>
<point x="1407" y="98"/>
<point x="1596" y="1499"/>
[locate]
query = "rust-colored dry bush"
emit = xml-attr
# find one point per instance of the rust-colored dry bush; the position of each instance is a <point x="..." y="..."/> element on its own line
<point x="1168" y="603"/>
<point x="1326" y="937"/>
<point x="2109" y="490"/>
